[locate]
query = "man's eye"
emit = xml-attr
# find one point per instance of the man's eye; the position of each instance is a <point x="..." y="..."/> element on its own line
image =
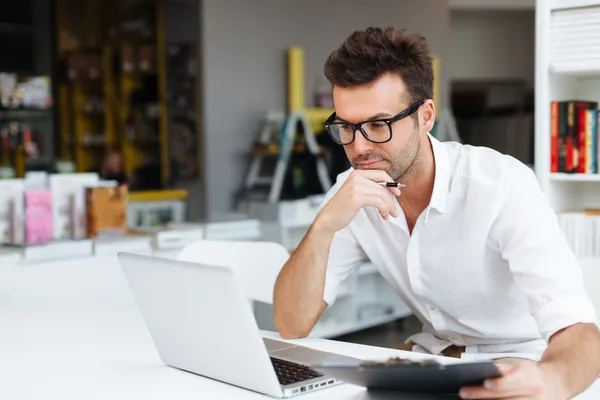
<point x="376" y="125"/>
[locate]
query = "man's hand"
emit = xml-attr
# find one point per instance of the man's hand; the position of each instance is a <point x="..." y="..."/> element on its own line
<point x="360" y="190"/>
<point x="524" y="381"/>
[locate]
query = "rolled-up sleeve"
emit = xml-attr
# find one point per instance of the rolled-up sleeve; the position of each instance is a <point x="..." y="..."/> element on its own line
<point x="345" y="255"/>
<point x="542" y="263"/>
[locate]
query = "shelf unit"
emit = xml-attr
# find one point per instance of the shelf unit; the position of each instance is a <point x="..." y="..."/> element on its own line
<point x="562" y="177"/>
<point x="567" y="68"/>
<point x="113" y="61"/>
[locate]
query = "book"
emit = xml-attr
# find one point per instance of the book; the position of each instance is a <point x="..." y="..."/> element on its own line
<point x="106" y="209"/>
<point x="12" y="217"/>
<point x="591" y="136"/>
<point x="68" y="203"/>
<point x="554" y="135"/>
<point x="574" y="132"/>
<point x="562" y="137"/>
<point x="38" y="216"/>
<point x="574" y="145"/>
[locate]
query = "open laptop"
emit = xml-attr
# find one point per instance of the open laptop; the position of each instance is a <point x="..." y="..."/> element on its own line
<point x="201" y="322"/>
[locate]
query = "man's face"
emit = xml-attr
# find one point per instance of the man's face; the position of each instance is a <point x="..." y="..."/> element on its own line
<point x="384" y="98"/>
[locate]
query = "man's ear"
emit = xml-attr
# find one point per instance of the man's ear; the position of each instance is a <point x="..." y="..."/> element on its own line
<point x="427" y="115"/>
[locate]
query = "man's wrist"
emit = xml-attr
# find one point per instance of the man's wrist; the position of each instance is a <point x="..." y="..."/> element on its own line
<point x="321" y="228"/>
<point x="554" y="377"/>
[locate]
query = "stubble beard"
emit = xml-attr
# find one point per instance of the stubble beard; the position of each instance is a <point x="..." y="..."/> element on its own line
<point x="406" y="164"/>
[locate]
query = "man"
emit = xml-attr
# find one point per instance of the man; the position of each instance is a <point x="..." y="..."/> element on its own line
<point x="469" y="243"/>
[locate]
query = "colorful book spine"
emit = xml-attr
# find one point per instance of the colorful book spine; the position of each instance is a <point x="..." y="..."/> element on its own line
<point x="596" y="134"/>
<point x="590" y="145"/>
<point x="562" y="137"/>
<point x="574" y="132"/>
<point x="38" y="216"/>
<point x="574" y="142"/>
<point x="554" y="133"/>
<point x="582" y="127"/>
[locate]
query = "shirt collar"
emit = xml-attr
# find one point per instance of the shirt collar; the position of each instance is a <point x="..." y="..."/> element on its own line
<point x="442" y="175"/>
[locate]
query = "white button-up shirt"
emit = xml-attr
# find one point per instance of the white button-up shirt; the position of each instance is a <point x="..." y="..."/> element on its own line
<point x="486" y="266"/>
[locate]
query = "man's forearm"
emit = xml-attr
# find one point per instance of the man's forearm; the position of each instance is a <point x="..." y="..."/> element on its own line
<point x="298" y="295"/>
<point x="573" y="357"/>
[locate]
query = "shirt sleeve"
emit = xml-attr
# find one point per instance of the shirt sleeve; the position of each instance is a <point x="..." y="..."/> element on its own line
<point x="345" y="253"/>
<point x="539" y="257"/>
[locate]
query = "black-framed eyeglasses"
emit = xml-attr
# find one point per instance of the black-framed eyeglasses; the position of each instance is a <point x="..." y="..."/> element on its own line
<point x="376" y="130"/>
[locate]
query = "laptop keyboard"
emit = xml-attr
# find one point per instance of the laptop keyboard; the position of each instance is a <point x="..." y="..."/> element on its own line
<point x="289" y="372"/>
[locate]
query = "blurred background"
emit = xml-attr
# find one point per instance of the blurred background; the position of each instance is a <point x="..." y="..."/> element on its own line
<point x="173" y="94"/>
<point x="211" y="114"/>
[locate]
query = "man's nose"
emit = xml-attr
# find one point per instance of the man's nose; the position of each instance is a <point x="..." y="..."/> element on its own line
<point x="361" y="145"/>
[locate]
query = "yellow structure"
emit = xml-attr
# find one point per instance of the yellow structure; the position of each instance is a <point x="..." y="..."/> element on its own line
<point x="85" y="137"/>
<point x="436" y="74"/>
<point x="159" y="195"/>
<point x="296" y="100"/>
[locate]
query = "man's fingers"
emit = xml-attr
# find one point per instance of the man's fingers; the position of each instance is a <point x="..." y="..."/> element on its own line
<point x="377" y="190"/>
<point x="517" y="380"/>
<point x="377" y="176"/>
<point x="478" y="392"/>
<point x="377" y="201"/>
<point x="506" y="369"/>
<point x="394" y="190"/>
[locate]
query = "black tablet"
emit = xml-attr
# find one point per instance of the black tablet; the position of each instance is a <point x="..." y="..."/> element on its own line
<point x="426" y="376"/>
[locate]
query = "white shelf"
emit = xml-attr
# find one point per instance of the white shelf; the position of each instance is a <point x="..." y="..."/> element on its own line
<point x="566" y="4"/>
<point x="562" y="177"/>
<point x="576" y="69"/>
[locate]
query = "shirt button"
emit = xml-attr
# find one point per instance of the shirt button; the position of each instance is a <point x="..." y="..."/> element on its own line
<point x="432" y="308"/>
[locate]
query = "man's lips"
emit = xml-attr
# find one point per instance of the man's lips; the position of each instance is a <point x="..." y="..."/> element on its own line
<point x="367" y="164"/>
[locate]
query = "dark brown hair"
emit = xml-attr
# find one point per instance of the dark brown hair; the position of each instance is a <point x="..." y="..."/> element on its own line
<point x="367" y="55"/>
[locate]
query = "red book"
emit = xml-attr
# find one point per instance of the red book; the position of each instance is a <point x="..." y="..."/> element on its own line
<point x="582" y="129"/>
<point x="554" y="132"/>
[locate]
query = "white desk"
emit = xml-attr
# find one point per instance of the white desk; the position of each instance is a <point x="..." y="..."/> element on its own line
<point x="70" y="330"/>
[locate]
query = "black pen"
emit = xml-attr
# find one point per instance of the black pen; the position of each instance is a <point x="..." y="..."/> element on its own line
<point x="391" y="184"/>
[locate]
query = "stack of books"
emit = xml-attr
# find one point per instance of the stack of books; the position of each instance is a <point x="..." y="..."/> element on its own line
<point x="582" y="231"/>
<point x="574" y="146"/>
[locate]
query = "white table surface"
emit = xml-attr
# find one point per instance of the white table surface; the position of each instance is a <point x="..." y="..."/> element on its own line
<point x="71" y="330"/>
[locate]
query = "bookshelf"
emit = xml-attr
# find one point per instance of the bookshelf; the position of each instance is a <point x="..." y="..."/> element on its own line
<point x="112" y="91"/>
<point x="568" y="68"/>
<point x="563" y="177"/>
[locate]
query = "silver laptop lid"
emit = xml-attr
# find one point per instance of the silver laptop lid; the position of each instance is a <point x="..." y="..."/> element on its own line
<point x="200" y="321"/>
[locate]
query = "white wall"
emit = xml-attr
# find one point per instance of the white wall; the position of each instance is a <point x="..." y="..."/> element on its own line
<point x="244" y="67"/>
<point x="492" y="45"/>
